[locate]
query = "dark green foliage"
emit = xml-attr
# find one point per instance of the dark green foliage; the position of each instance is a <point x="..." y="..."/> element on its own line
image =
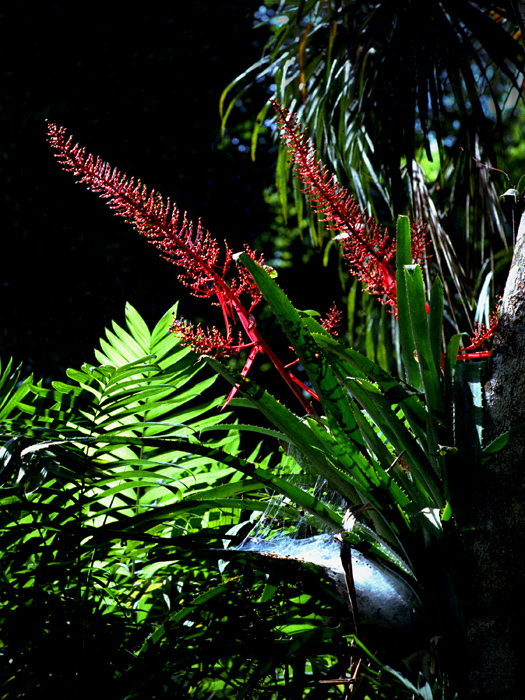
<point x="99" y="483"/>
<point x="117" y="497"/>
<point x="113" y="516"/>
<point x="386" y="89"/>
<point x="395" y="449"/>
<point x="121" y="486"/>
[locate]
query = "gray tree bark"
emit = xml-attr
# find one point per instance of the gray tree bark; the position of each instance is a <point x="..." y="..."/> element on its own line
<point x="495" y="549"/>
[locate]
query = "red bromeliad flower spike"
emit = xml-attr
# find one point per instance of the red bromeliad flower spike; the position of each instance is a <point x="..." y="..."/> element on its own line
<point x="368" y="252"/>
<point x="192" y="250"/>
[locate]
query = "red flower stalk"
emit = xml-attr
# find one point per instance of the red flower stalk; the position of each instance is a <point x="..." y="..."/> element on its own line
<point x="195" y="252"/>
<point x="477" y="350"/>
<point x="368" y="252"/>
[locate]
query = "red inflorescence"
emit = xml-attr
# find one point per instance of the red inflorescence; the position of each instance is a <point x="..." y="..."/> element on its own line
<point x="369" y="253"/>
<point x="191" y="248"/>
<point x="207" y="341"/>
<point x="202" y="268"/>
<point x="332" y="321"/>
<point x="211" y="274"/>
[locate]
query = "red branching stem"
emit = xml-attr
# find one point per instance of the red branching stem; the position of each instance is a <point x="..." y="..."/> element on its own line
<point x="474" y="355"/>
<point x="191" y="249"/>
<point x="304" y="387"/>
<point x="244" y="372"/>
<point x="292" y="364"/>
<point x="477" y="350"/>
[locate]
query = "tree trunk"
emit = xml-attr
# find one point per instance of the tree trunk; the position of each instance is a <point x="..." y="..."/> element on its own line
<point x="495" y="548"/>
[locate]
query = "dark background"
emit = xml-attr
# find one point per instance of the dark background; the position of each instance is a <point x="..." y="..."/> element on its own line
<point x="141" y="88"/>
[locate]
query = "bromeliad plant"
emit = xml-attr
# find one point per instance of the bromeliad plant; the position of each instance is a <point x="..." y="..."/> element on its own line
<point x="392" y="447"/>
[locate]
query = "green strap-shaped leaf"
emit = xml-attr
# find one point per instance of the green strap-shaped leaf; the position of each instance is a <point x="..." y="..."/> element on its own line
<point x="428" y="357"/>
<point x="342" y="452"/>
<point x="415" y="287"/>
<point x="314" y="446"/>
<point x="451" y="360"/>
<point x="347" y="362"/>
<point x="403" y="441"/>
<point x="407" y="344"/>
<point x="435" y="322"/>
<point x="378" y="406"/>
<point x="332" y="396"/>
<point x="401" y="489"/>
